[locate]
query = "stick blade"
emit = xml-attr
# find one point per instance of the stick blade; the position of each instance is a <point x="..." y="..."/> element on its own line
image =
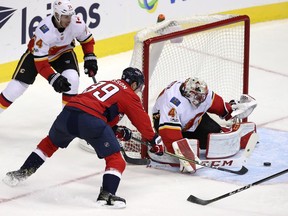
<point x="197" y="200"/>
<point x="243" y="170"/>
<point x="136" y="161"/>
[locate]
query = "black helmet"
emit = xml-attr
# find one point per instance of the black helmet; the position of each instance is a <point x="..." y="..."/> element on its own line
<point x="132" y="74"/>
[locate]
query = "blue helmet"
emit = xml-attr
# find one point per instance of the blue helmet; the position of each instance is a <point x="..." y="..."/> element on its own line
<point x="131" y="75"/>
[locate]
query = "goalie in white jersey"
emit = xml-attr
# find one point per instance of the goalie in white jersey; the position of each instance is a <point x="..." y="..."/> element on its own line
<point x="181" y="111"/>
<point x="52" y="47"/>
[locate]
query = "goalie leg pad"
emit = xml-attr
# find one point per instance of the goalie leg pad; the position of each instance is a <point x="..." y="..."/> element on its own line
<point x="223" y="145"/>
<point x="172" y="161"/>
<point x="184" y="149"/>
<point x="248" y="129"/>
<point x="194" y="144"/>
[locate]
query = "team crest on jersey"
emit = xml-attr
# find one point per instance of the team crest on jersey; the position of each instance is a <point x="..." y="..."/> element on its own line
<point x="107" y="144"/>
<point x="175" y="101"/>
<point x="44" y="28"/>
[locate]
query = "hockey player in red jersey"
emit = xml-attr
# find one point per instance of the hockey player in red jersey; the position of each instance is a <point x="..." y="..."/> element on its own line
<point x="93" y="116"/>
<point x="50" y="53"/>
<point x="181" y="111"/>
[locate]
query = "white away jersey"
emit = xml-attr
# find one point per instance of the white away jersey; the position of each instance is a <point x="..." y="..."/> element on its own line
<point x="49" y="41"/>
<point x="175" y="110"/>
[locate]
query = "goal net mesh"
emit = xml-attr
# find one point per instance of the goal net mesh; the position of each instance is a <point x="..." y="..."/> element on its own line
<point x="213" y="48"/>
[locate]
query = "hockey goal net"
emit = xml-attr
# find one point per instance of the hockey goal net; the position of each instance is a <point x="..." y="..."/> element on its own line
<point x="214" y="48"/>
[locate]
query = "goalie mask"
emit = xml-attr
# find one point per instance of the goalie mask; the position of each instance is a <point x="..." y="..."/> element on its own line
<point x="62" y="8"/>
<point x="195" y="90"/>
<point x="131" y="75"/>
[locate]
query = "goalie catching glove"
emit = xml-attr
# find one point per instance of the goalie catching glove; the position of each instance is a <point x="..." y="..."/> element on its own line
<point x="157" y="145"/>
<point x="243" y="108"/>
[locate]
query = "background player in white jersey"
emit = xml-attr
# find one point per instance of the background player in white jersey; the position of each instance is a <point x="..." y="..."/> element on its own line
<point x="52" y="47"/>
<point x="93" y="116"/>
<point x="181" y="111"/>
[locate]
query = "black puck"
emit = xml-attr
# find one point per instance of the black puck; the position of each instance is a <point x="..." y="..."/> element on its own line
<point x="267" y="164"/>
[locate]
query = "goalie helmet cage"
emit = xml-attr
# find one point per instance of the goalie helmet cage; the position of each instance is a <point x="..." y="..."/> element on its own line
<point x="214" y="48"/>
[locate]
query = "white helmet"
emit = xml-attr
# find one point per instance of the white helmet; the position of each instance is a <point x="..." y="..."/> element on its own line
<point x="195" y="90"/>
<point x="62" y="7"/>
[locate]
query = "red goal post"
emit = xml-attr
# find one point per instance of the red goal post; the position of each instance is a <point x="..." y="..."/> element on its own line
<point x="214" y="48"/>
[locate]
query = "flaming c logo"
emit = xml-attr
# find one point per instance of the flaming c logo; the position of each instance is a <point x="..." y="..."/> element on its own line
<point x="150" y="6"/>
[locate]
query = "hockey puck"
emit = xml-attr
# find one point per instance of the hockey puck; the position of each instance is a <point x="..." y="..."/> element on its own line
<point x="267" y="164"/>
<point x="161" y="17"/>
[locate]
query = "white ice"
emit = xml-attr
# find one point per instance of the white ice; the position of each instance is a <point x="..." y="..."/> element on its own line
<point x="68" y="183"/>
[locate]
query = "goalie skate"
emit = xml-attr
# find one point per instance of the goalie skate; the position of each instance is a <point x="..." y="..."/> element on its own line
<point x="15" y="177"/>
<point x="108" y="200"/>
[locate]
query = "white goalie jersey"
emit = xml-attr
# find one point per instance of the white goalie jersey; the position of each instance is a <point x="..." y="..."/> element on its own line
<point x="177" y="112"/>
<point x="174" y="114"/>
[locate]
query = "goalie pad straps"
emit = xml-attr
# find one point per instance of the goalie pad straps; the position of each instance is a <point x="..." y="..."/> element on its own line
<point x="184" y="149"/>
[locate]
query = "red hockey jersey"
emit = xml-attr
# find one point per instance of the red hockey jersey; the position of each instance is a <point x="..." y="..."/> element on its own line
<point x="109" y="100"/>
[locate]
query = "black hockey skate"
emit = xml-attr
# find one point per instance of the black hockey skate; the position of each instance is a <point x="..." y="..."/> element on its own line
<point x="109" y="200"/>
<point x="14" y="177"/>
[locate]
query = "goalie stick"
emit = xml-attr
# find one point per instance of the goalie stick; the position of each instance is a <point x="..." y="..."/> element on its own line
<point x="242" y="171"/>
<point x="199" y="201"/>
<point x="251" y="143"/>
<point x="228" y="162"/>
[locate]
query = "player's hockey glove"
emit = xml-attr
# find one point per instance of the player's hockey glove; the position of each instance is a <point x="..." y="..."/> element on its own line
<point x="90" y="64"/>
<point x="59" y="83"/>
<point x="157" y="145"/>
<point x="123" y="133"/>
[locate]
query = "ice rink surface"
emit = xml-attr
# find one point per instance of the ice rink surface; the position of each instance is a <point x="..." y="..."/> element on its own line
<point x="69" y="182"/>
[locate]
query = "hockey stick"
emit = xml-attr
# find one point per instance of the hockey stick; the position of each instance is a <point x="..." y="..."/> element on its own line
<point x="136" y="161"/>
<point x="230" y="162"/>
<point x="199" y="201"/>
<point x="242" y="171"/>
<point x="94" y="79"/>
<point x="252" y="141"/>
